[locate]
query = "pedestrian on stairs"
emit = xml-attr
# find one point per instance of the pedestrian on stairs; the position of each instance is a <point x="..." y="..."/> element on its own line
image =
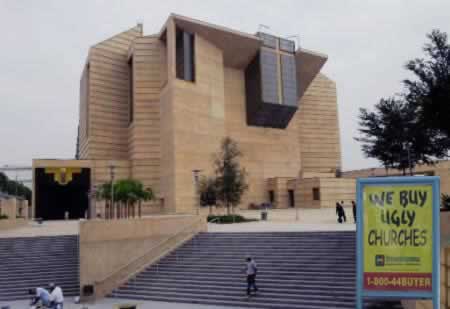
<point x="251" y="270"/>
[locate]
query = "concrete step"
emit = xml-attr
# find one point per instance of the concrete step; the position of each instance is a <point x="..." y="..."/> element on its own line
<point x="295" y="270"/>
<point x="230" y="283"/>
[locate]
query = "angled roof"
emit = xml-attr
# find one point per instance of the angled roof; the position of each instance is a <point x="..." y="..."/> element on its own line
<point x="308" y="65"/>
<point x="238" y="48"/>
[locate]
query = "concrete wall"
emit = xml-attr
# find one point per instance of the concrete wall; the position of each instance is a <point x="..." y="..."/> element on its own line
<point x="108" y="247"/>
<point x="441" y="169"/>
<point x="8" y="207"/>
<point x="331" y="190"/>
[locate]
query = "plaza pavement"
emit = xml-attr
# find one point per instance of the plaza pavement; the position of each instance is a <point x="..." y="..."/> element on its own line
<point x="279" y="220"/>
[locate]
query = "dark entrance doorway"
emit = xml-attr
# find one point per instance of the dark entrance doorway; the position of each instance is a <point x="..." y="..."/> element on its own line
<point x="291" y="198"/>
<point x="53" y="196"/>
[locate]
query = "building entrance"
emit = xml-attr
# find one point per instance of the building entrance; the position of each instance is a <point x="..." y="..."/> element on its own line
<point x="61" y="190"/>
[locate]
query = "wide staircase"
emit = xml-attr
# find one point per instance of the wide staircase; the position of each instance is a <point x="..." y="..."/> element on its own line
<point x="29" y="262"/>
<point x="308" y="270"/>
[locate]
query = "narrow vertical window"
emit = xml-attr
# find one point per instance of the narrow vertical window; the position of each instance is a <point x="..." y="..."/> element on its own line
<point x="130" y="91"/>
<point x="185" y="55"/>
<point x="86" y="101"/>
<point x="291" y="198"/>
<point x="271" y="196"/>
<point x="316" y="194"/>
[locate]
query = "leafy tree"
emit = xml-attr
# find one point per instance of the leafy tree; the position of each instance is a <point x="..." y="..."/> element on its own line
<point x="429" y="91"/>
<point x="413" y="128"/>
<point x="208" y="192"/>
<point x="391" y="135"/>
<point x="127" y="193"/>
<point x="445" y="201"/>
<point x="12" y="187"/>
<point x="230" y="177"/>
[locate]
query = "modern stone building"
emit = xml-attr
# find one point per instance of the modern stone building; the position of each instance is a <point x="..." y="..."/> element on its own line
<point x="156" y="107"/>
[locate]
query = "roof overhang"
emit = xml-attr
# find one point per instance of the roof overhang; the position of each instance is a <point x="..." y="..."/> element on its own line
<point x="238" y="48"/>
<point x="308" y="65"/>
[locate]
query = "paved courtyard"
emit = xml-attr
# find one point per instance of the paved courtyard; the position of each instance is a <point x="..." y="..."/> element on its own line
<point x="282" y="220"/>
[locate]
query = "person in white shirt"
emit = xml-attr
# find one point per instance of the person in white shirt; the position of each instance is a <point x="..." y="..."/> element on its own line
<point x="56" y="297"/>
<point x="250" y="271"/>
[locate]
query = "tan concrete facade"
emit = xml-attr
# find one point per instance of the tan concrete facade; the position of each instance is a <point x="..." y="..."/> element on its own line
<point x="157" y="128"/>
<point x="440" y="168"/>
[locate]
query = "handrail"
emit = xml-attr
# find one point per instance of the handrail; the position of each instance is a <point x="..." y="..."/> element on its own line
<point x="148" y="251"/>
<point x="215" y="219"/>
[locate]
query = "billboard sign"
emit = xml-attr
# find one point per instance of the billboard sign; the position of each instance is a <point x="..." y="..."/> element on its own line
<point x="398" y="238"/>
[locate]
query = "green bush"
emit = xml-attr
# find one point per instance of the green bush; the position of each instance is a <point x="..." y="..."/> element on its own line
<point x="226" y="219"/>
<point x="445" y="201"/>
<point x="3" y="217"/>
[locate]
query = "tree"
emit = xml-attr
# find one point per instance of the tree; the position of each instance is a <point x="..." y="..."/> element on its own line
<point x="14" y="188"/>
<point x="208" y="192"/>
<point x="391" y="135"/>
<point x="413" y="128"/>
<point x="127" y="193"/>
<point x="230" y="178"/>
<point x="429" y="91"/>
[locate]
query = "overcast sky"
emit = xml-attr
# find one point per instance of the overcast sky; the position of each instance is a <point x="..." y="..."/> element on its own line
<point x="44" y="46"/>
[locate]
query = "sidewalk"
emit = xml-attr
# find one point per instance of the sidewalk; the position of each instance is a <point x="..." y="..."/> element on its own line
<point x="47" y="228"/>
<point x="285" y="220"/>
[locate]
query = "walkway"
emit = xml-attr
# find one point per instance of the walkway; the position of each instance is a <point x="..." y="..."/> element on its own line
<point x="284" y="220"/>
<point x="47" y="228"/>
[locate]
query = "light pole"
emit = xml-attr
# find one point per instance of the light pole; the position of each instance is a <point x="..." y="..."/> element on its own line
<point x="196" y="174"/>
<point x="408" y="150"/>
<point x="111" y="172"/>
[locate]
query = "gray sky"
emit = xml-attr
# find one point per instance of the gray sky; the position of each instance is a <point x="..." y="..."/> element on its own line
<point x="44" y="45"/>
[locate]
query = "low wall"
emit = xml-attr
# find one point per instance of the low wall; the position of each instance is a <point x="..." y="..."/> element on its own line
<point x="7" y="224"/>
<point x="330" y="191"/>
<point x="111" y="251"/>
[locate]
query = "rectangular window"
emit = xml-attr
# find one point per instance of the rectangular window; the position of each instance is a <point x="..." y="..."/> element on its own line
<point x="185" y="55"/>
<point x="316" y="194"/>
<point x="271" y="196"/>
<point x="291" y="198"/>
<point x="130" y="91"/>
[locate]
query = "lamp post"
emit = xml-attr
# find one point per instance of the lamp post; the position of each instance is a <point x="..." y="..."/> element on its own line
<point x="407" y="146"/>
<point x="196" y="174"/>
<point x="111" y="173"/>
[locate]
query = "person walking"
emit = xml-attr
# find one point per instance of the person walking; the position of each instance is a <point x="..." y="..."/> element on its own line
<point x="354" y="210"/>
<point x="251" y="270"/>
<point x="340" y="212"/>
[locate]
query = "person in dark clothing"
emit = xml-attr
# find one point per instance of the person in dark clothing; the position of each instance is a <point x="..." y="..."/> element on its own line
<point x="354" y="210"/>
<point x="340" y="212"/>
<point x="250" y="271"/>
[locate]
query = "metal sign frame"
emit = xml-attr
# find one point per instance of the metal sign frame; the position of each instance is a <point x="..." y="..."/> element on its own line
<point x="361" y="183"/>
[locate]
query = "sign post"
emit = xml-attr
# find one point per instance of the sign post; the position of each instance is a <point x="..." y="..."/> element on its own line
<point x="398" y="239"/>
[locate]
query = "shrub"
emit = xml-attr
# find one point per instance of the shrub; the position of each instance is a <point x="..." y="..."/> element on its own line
<point x="226" y="219"/>
<point x="3" y="217"/>
<point x="445" y="201"/>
